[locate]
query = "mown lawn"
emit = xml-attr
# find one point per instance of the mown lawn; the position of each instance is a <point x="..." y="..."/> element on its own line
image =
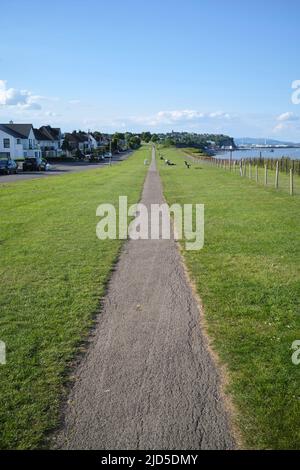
<point x="248" y="276"/>
<point x="53" y="272"/>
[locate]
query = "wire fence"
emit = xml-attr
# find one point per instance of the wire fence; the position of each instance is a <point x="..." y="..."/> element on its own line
<point x="283" y="174"/>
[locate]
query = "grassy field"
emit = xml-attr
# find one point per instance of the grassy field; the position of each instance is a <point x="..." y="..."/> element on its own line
<point x="248" y="276"/>
<point x="53" y="272"/>
<point x="283" y="177"/>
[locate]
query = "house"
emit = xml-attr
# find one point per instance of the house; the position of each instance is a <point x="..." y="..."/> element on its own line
<point x="93" y="144"/>
<point x="49" y="140"/>
<point x="72" y="140"/>
<point x="85" y="142"/>
<point x="76" y="141"/>
<point x="18" y="141"/>
<point x="101" y="140"/>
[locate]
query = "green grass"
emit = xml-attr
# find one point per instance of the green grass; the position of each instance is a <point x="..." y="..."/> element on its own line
<point x="248" y="276"/>
<point x="197" y="153"/>
<point x="283" y="179"/>
<point x="53" y="272"/>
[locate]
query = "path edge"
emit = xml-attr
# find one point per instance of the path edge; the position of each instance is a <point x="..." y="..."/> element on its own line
<point x="49" y="439"/>
<point x="221" y="367"/>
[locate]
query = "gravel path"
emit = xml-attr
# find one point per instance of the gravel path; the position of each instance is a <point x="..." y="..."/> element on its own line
<point x="147" y="380"/>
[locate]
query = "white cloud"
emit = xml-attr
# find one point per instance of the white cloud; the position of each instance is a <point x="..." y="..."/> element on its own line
<point x="52" y="114"/>
<point x="286" y="122"/>
<point x="280" y="127"/>
<point x="179" y="116"/>
<point x="74" y="102"/>
<point x="220" y="114"/>
<point x="288" y="116"/>
<point x="23" y="99"/>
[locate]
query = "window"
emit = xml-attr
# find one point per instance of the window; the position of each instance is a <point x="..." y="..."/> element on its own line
<point x="18" y="141"/>
<point x="6" y="143"/>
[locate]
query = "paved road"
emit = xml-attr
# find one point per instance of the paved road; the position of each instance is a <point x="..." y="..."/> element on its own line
<point x="147" y="380"/>
<point x="61" y="169"/>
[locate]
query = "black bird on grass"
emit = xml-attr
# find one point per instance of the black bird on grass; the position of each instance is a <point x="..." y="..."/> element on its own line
<point x="168" y="162"/>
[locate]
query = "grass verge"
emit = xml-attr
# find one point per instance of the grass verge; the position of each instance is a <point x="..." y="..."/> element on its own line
<point x="53" y="272"/>
<point x="283" y="177"/>
<point x="248" y="277"/>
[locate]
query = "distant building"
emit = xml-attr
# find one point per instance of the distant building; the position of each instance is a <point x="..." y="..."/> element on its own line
<point x="102" y="141"/>
<point x="78" y="141"/>
<point x="85" y="142"/>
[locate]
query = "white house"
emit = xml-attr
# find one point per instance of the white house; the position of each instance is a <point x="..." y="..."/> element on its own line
<point x="49" y="140"/>
<point x="18" y="141"/>
<point x="93" y="144"/>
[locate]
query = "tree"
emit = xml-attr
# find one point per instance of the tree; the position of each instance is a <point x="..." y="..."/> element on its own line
<point x="78" y="154"/>
<point x="154" y="138"/>
<point x="134" y="142"/>
<point x="118" y="136"/>
<point x="146" y="136"/>
<point x="114" y="144"/>
<point x="97" y="135"/>
<point x="168" y="142"/>
<point x="66" y="146"/>
<point x="203" y="142"/>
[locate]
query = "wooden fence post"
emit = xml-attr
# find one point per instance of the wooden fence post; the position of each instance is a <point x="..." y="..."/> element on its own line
<point x="250" y="171"/>
<point x="256" y="173"/>
<point x="266" y="175"/>
<point x="276" y="175"/>
<point x="291" y="182"/>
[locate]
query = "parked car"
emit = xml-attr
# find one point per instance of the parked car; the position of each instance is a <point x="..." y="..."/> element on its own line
<point x="108" y="155"/>
<point x="8" y="166"/>
<point x="94" y="158"/>
<point x="35" y="164"/>
<point x="91" y="157"/>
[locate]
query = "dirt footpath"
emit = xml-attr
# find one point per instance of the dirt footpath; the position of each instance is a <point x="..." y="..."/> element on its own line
<point x="147" y="380"/>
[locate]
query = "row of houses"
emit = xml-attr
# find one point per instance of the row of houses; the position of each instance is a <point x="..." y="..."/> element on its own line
<point x="19" y="141"/>
<point x="85" y="142"/>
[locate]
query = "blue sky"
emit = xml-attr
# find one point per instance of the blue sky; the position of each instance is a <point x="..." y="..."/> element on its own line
<point x="199" y="65"/>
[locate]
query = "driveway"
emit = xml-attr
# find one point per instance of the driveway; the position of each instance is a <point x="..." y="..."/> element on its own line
<point x="61" y="169"/>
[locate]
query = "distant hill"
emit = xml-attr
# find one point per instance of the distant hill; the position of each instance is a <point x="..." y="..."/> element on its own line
<point x="260" y="141"/>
